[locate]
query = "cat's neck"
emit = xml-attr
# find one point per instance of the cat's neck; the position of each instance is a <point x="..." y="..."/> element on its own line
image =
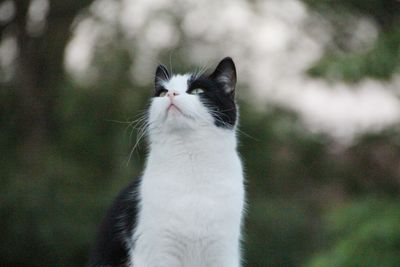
<point x="198" y="146"/>
<point x="203" y="157"/>
<point x="195" y="141"/>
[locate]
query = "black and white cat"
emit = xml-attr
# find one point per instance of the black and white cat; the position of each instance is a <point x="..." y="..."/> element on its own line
<point x="187" y="208"/>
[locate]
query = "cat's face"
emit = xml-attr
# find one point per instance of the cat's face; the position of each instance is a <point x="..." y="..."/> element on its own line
<point x="188" y="102"/>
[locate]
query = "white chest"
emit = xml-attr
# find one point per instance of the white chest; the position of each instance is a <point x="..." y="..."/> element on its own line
<point x="191" y="210"/>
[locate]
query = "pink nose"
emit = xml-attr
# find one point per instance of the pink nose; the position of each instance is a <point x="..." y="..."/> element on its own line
<point x="172" y="94"/>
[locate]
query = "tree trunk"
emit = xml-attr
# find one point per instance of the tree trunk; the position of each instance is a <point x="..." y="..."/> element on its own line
<point x="39" y="73"/>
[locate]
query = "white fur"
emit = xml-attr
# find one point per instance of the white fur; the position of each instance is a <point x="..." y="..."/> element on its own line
<point x="192" y="194"/>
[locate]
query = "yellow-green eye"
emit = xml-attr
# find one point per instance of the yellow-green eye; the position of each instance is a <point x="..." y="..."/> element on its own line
<point x="196" y="91"/>
<point x="163" y="93"/>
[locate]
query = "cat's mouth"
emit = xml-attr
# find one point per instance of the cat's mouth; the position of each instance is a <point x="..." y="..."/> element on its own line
<point x="173" y="107"/>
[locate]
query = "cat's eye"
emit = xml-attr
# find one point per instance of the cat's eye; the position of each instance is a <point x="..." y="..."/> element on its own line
<point x="196" y="91"/>
<point x="163" y="93"/>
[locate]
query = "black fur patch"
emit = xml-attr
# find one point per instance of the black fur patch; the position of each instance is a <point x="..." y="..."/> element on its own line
<point x="219" y="92"/>
<point x="220" y="104"/>
<point x="117" y="227"/>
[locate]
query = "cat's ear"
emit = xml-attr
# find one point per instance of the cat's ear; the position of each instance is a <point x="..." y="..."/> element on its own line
<point x="225" y="74"/>
<point x="162" y="74"/>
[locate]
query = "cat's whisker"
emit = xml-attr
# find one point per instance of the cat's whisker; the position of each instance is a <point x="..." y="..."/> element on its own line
<point x="217" y="114"/>
<point x="117" y="121"/>
<point x="195" y="74"/>
<point x="137" y="125"/>
<point x="203" y="69"/>
<point x="134" y="124"/>
<point x="142" y="131"/>
<point x="170" y="62"/>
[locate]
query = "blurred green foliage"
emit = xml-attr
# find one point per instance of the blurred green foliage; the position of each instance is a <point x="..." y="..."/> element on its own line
<point x="311" y="202"/>
<point x="363" y="233"/>
<point x="340" y="62"/>
<point x="379" y="62"/>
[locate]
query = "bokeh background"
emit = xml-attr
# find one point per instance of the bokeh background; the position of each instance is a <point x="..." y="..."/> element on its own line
<point x="319" y="91"/>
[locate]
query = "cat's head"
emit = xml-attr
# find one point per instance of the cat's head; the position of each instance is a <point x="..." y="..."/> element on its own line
<point x="193" y="102"/>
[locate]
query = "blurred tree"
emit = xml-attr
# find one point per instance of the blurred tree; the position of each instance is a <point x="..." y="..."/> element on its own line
<point x="41" y="40"/>
<point x="41" y="30"/>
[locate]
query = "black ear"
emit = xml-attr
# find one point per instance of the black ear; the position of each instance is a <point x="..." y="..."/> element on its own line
<point x="162" y="74"/>
<point x="225" y="74"/>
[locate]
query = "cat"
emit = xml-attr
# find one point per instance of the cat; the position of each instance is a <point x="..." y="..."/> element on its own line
<point x="186" y="210"/>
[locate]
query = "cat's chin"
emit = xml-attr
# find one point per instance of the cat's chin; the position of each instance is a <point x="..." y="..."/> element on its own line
<point x="177" y="120"/>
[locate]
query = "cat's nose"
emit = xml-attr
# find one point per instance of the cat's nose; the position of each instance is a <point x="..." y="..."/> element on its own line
<point x="171" y="94"/>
